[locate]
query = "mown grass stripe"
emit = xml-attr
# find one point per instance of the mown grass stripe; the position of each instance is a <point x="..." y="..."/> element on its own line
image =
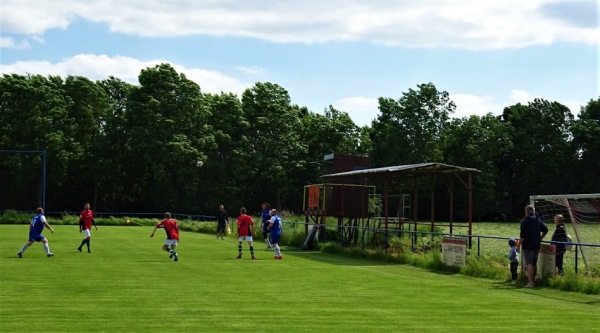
<point x="129" y="285"/>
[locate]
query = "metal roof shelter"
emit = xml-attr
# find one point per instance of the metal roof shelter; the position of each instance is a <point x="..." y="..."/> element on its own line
<point x="427" y="169"/>
<point x="447" y="172"/>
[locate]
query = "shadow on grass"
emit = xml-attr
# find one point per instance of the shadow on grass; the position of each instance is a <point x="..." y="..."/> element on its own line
<point x="334" y="259"/>
<point x="520" y="288"/>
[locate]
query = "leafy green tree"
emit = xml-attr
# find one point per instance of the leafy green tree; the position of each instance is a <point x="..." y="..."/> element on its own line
<point x="274" y="140"/>
<point x="225" y="174"/>
<point x="543" y="152"/>
<point x="167" y="133"/>
<point x="34" y="116"/>
<point x="113" y="143"/>
<point x="586" y="137"/>
<point x="331" y="132"/>
<point x="481" y="143"/>
<point x="408" y="131"/>
<point x="87" y="113"/>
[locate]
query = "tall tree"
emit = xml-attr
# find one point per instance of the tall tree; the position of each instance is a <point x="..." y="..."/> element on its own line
<point x="408" y="131"/>
<point x="481" y="143"/>
<point x="112" y="158"/>
<point x="225" y="173"/>
<point x="542" y="155"/>
<point x="274" y="139"/>
<point x="330" y="132"/>
<point x="87" y="116"/>
<point x="586" y="137"/>
<point x="167" y="134"/>
<point x="33" y="116"/>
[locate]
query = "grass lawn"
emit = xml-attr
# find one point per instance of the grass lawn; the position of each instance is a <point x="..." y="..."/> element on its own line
<point x="128" y="284"/>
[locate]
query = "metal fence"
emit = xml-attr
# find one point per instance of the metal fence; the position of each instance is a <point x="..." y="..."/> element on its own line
<point x="581" y="257"/>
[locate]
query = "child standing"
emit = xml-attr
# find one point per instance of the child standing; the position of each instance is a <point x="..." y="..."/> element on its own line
<point x="560" y="236"/>
<point x="514" y="258"/>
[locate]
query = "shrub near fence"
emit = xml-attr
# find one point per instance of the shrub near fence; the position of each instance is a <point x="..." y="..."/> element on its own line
<point x="489" y="240"/>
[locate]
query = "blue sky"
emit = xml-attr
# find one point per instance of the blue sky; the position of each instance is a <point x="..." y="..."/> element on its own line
<point x="486" y="54"/>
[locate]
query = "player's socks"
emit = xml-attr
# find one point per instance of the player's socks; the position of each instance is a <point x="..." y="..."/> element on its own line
<point x="47" y="248"/>
<point x="252" y="251"/>
<point x="23" y="248"/>
<point x="239" y="251"/>
<point x="81" y="245"/>
<point x="88" y="245"/>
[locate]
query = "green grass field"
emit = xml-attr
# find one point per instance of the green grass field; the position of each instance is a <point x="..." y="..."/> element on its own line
<point x="128" y="284"/>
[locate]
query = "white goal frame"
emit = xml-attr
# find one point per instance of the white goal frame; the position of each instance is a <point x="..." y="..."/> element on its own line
<point x="533" y="198"/>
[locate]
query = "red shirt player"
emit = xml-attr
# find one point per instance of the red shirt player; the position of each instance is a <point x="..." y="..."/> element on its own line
<point x="86" y="219"/>
<point x="245" y="231"/>
<point x="172" y="229"/>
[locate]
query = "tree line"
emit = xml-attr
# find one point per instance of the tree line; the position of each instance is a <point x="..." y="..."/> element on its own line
<point x="127" y="147"/>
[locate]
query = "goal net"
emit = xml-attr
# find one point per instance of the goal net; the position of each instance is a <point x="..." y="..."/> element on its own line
<point x="582" y="221"/>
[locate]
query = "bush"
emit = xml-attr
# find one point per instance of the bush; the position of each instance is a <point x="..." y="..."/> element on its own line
<point x="12" y="217"/>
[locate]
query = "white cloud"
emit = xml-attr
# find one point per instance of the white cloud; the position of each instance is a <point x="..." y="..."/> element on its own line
<point x="99" y="67"/>
<point x="362" y="110"/>
<point x="34" y="17"/>
<point x="428" y="23"/>
<point x="253" y="70"/>
<point x="467" y="105"/>
<point x="10" y="43"/>
<point x="521" y="96"/>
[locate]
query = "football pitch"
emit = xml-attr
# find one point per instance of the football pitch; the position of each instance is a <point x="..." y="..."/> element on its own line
<point x="128" y="284"/>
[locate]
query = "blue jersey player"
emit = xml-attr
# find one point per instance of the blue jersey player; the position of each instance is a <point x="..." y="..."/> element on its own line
<point x="38" y="223"/>
<point x="266" y="217"/>
<point x="275" y="230"/>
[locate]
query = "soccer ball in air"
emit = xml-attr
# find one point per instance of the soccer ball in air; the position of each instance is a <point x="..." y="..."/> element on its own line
<point x="199" y="164"/>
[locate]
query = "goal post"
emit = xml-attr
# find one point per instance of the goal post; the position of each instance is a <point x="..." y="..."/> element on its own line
<point x="582" y="211"/>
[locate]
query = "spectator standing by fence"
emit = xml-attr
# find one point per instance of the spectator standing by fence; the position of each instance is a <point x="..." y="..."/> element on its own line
<point x="533" y="230"/>
<point x="560" y="235"/>
<point x="513" y="257"/>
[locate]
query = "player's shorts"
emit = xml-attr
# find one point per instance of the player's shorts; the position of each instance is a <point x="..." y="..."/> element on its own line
<point x="171" y="242"/>
<point x="531" y="256"/>
<point x="245" y="238"/>
<point x="221" y="227"/>
<point x="86" y="233"/>
<point x="275" y="237"/>
<point x="264" y="228"/>
<point x="36" y="238"/>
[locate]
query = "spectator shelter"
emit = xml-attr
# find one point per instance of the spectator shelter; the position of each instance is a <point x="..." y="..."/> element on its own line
<point x="351" y="200"/>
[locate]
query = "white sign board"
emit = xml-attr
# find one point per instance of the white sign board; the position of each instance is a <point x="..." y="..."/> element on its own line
<point x="546" y="262"/>
<point x="454" y="251"/>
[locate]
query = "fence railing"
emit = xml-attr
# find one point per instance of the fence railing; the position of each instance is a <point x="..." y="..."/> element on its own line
<point x="582" y="255"/>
